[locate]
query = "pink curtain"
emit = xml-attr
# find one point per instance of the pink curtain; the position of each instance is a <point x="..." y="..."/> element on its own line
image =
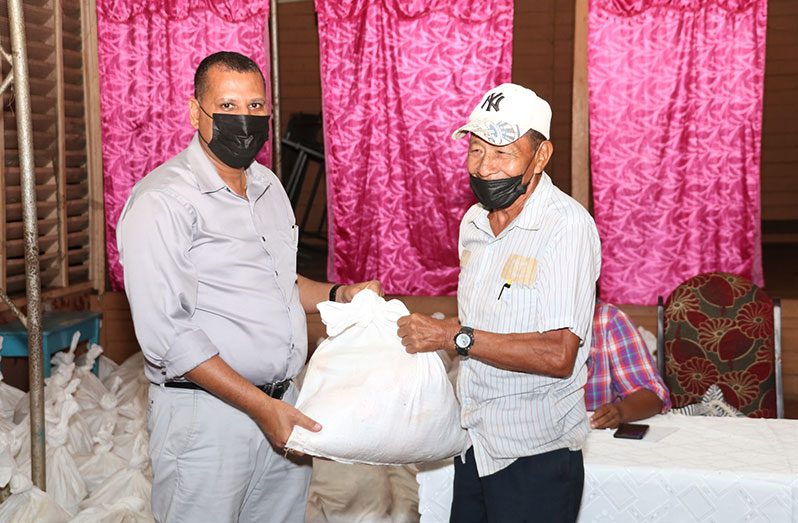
<point x="148" y="52"/>
<point x="398" y="76"/>
<point x="675" y="122"/>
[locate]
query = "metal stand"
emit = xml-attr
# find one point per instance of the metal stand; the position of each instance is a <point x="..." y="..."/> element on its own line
<point x="19" y="74"/>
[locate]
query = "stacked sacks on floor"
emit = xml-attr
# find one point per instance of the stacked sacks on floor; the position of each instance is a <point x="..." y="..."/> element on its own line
<point x="96" y="439"/>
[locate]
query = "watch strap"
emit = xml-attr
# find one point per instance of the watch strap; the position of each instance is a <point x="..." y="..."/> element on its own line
<point x="334" y="291"/>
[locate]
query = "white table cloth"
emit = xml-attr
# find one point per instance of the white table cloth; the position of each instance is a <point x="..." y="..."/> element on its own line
<point x="685" y="469"/>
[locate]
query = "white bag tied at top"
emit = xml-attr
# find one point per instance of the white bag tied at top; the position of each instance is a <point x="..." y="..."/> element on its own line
<point x="28" y="503"/>
<point x="377" y="404"/>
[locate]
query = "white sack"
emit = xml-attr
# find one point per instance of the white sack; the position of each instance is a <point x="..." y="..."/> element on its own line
<point x="107" y="367"/>
<point x="91" y="389"/>
<point x="126" y="510"/>
<point x="7" y="463"/>
<point x="130" y="369"/>
<point x="128" y="482"/>
<point x="64" y="483"/>
<point x="376" y="403"/>
<point x="28" y="503"/>
<point x="101" y="464"/>
<point x="53" y="386"/>
<point x="9" y="396"/>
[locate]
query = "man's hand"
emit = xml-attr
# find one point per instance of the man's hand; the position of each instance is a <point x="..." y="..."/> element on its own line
<point x="607" y="416"/>
<point x="421" y="333"/>
<point x="277" y="419"/>
<point x="347" y="292"/>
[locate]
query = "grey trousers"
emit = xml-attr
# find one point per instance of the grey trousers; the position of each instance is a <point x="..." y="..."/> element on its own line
<point x="211" y="463"/>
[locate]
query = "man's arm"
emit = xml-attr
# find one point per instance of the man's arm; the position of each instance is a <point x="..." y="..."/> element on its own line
<point x="274" y="417"/>
<point x="566" y="286"/>
<point x="643" y="393"/>
<point x="311" y="292"/>
<point x="640" y="404"/>
<point x="552" y="353"/>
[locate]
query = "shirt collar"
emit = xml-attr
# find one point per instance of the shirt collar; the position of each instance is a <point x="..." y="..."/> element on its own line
<point x="530" y="217"/>
<point x="209" y="181"/>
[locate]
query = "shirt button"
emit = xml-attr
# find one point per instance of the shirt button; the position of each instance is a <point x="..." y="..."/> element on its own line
<point x="263" y="238"/>
<point x="276" y="273"/>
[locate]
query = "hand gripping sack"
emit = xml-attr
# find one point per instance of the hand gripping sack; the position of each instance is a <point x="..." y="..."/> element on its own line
<point x="377" y="404"/>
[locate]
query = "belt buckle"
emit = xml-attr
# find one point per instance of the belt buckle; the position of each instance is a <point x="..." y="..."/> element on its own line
<point x="277" y="389"/>
<point x="268" y="388"/>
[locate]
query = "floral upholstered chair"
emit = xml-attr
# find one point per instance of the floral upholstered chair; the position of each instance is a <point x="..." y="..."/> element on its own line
<point x="719" y="328"/>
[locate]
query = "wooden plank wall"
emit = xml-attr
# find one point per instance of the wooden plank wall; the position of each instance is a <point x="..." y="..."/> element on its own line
<point x="543" y="57"/>
<point x="779" y="165"/>
<point x="300" y="84"/>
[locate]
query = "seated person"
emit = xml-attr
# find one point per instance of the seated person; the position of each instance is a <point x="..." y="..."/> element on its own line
<point x="622" y="382"/>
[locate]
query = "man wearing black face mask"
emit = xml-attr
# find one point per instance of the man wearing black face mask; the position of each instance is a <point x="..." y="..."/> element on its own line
<point x="529" y="261"/>
<point x="208" y="241"/>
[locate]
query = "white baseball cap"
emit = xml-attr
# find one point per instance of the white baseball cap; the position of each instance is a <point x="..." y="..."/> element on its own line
<point x="505" y="114"/>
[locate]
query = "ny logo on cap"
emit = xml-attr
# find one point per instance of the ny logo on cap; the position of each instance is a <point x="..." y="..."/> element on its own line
<point x="492" y="102"/>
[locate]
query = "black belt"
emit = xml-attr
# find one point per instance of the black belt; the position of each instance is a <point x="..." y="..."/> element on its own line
<point x="276" y="390"/>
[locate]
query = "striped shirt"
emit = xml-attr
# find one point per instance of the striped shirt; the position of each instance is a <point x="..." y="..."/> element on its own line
<point x="619" y="362"/>
<point x="539" y="274"/>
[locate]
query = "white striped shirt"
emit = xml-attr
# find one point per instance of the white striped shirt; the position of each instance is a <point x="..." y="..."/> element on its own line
<point x="550" y="256"/>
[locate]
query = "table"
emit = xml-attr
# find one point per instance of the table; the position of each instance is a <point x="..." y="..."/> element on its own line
<point x="687" y="468"/>
<point x="57" y="331"/>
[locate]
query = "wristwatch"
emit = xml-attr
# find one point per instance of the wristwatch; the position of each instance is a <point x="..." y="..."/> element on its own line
<point x="464" y="340"/>
<point x="334" y="291"/>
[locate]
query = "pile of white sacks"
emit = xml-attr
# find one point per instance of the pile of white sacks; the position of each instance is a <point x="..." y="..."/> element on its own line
<point x="96" y="439"/>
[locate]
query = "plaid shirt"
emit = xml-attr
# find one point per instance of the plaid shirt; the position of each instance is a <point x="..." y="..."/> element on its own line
<point x="619" y="362"/>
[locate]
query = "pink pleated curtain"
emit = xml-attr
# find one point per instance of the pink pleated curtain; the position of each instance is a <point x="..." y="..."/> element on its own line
<point x="398" y="76"/>
<point x="148" y="52"/>
<point x="676" y="92"/>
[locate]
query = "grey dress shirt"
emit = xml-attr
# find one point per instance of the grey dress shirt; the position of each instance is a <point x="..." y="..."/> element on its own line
<point x="208" y="272"/>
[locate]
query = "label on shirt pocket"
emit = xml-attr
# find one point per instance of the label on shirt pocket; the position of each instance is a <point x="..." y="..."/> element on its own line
<point x="520" y="270"/>
<point x="465" y="257"/>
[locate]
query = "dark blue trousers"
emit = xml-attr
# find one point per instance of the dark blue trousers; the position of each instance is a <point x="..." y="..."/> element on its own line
<point x="546" y="488"/>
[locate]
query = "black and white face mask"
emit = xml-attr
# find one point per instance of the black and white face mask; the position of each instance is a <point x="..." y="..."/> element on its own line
<point x="237" y="138"/>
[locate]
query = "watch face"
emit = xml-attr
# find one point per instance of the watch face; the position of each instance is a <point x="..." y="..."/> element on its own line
<point x="462" y="340"/>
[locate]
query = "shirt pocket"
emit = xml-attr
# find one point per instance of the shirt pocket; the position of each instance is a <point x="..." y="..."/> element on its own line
<point x="519" y="275"/>
<point x="521" y="270"/>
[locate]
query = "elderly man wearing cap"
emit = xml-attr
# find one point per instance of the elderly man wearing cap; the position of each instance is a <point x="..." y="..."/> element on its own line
<point x="529" y="261"/>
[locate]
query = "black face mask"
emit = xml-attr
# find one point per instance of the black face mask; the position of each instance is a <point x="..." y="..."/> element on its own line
<point x="498" y="194"/>
<point x="501" y="193"/>
<point x="237" y="138"/>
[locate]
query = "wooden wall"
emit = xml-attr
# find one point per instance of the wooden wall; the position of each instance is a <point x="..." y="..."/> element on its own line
<point x="543" y="58"/>
<point x="300" y="84"/>
<point x="779" y="131"/>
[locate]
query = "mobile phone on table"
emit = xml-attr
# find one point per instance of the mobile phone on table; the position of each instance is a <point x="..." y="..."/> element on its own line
<point x="631" y="431"/>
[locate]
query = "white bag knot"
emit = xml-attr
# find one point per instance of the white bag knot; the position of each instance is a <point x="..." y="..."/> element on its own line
<point x="20" y="483"/>
<point x="365" y="309"/>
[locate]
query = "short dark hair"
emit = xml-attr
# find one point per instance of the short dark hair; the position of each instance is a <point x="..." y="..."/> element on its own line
<point x="228" y="61"/>
<point x="535" y="139"/>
